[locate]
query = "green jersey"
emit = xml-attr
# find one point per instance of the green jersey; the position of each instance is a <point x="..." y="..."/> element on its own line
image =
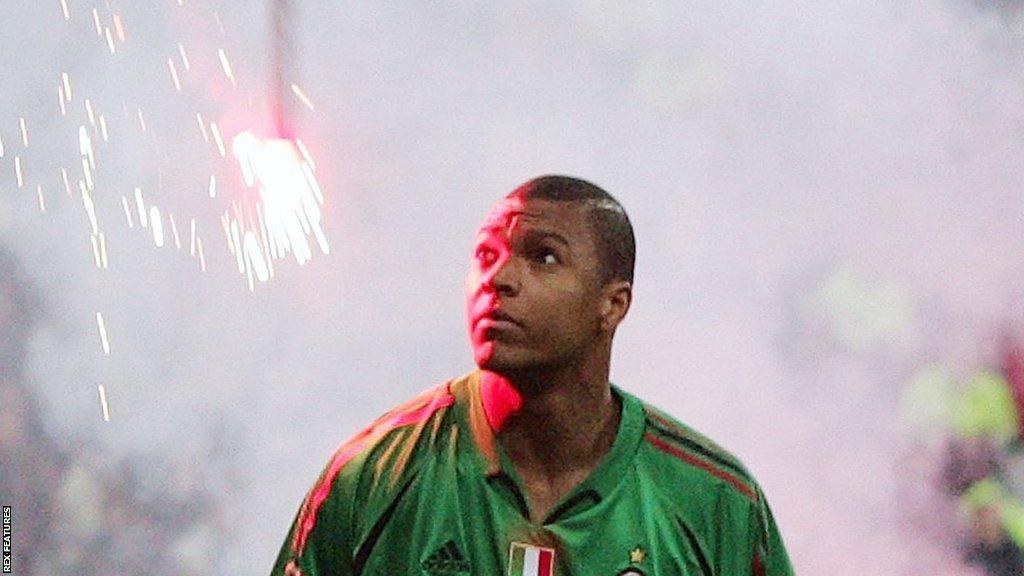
<point x="428" y="490"/>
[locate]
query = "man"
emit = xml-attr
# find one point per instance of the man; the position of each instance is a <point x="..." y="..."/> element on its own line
<point x="535" y="464"/>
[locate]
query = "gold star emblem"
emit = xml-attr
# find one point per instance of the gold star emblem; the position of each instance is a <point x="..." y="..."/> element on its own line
<point x="637" y="555"/>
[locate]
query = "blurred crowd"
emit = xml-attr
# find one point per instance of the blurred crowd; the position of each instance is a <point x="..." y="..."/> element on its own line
<point x="78" y="509"/>
<point x="966" y="476"/>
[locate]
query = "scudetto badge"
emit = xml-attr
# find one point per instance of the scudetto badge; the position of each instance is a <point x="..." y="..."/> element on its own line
<point x="530" y="560"/>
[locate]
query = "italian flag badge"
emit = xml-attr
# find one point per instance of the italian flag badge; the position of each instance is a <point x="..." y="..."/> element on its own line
<point x="527" y="560"/>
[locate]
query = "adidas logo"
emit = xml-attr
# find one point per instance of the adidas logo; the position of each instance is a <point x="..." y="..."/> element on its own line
<point x="447" y="560"/>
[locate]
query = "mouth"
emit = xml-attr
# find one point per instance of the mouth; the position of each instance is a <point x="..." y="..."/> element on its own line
<point x="501" y="316"/>
<point x="498" y="320"/>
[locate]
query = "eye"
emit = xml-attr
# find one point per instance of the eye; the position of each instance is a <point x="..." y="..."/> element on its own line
<point x="485" y="255"/>
<point x="547" y="256"/>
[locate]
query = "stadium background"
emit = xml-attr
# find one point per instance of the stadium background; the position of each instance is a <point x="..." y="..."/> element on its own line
<point x="827" y="199"/>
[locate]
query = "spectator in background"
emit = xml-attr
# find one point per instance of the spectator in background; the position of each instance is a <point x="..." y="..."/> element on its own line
<point x="29" y="465"/>
<point x="76" y="510"/>
<point x="991" y="547"/>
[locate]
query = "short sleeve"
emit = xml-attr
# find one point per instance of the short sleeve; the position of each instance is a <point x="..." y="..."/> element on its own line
<point x="317" y="541"/>
<point x="770" y="557"/>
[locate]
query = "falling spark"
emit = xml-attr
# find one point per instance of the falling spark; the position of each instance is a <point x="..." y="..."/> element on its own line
<point x="247" y="172"/>
<point x="321" y="239"/>
<point x="110" y="41"/>
<point x="227" y="231"/>
<point x="248" y="273"/>
<point x="174" y="74"/>
<point x="184" y="57"/>
<point x="103" y="402"/>
<point x="103" y="333"/>
<point x="141" y="207"/>
<point x="202" y="127"/>
<point x="142" y="121"/>
<point x="202" y="258"/>
<point x="88" y="174"/>
<point x="174" y="231"/>
<point x="127" y="212"/>
<point x="305" y="154"/>
<point x="67" y="85"/>
<point x="157" y="226"/>
<point x="192" y="242"/>
<point x="217" y="139"/>
<point x="60" y="101"/>
<point x="271" y="245"/>
<point x="103" y="249"/>
<point x="64" y="9"/>
<point x="118" y="27"/>
<point x="39" y="192"/>
<point x="84" y="143"/>
<point x="1" y="147"/>
<point x="67" y="185"/>
<point x="88" y="110"/>
<point x="302" y="96"/>
<point x="213" y="186"/>
<point x="236" y="245"/>
<point x="96" y="20"/>
<point x="266" y="242"/>
<point x="254" y="254"/>
<point x="17" y="171"/>
<point x="85" y="146"/>
<point x="90" y="209"/>
<point x="96" y="251"/>
<point x="103" y="127"/>
<point x="24" y="131"/>
<point x="313" y="184"/>
<point x="220" y="25"/>
<point x="226" y="66"/>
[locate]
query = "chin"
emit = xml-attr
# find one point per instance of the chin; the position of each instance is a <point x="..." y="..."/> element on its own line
<point x="508" y="364"/>
<point x="494" y="363"/>
<point x="494" y="358"/>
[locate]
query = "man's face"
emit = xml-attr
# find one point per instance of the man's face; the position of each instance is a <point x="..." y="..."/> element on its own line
<point x="533" y="288"/>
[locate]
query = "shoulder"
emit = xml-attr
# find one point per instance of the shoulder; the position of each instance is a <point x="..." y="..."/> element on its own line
<point x="390" y="442"/>
<point x="368" y="467"/>
<point x="709" y="491"/>
<point x="682" y="453"/>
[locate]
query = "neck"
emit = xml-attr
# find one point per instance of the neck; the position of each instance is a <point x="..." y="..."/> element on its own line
<point x="554" y="423"/>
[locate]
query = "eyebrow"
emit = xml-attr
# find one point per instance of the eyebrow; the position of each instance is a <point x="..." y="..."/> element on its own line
<point x="532" y="233"/>
<point x="541" y="234"/>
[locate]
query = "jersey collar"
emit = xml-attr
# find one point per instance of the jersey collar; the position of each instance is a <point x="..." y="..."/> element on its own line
<point x="492" y="462"/>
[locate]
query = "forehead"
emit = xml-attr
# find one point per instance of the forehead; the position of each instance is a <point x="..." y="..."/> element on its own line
<point x="566" y="218"/>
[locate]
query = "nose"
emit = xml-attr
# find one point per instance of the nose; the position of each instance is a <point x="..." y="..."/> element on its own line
<point x="502" y="276"/>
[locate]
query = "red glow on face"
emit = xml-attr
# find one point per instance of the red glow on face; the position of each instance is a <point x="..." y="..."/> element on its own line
<point x="481" y="295"/>
<point x="500" y="399"/>
<point x="531" y="296"/>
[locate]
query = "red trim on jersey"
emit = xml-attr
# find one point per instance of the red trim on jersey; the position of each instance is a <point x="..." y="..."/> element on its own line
<point x="661" y="419"/>
<point x="412" y="412"/>
<point x="758" y="566"/>
<point x="702" y="464"/>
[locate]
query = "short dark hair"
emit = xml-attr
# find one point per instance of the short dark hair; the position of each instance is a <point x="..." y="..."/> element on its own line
<point x="609" y="225"/>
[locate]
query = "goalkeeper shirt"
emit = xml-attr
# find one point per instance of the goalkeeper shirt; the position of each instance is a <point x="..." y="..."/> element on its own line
<point x="428" y="490"/>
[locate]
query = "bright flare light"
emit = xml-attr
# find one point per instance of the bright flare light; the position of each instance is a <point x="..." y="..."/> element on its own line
<point x="289" y="204"/>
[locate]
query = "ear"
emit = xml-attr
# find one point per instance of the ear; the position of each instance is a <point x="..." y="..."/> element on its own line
<point x="615" y="300"/>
